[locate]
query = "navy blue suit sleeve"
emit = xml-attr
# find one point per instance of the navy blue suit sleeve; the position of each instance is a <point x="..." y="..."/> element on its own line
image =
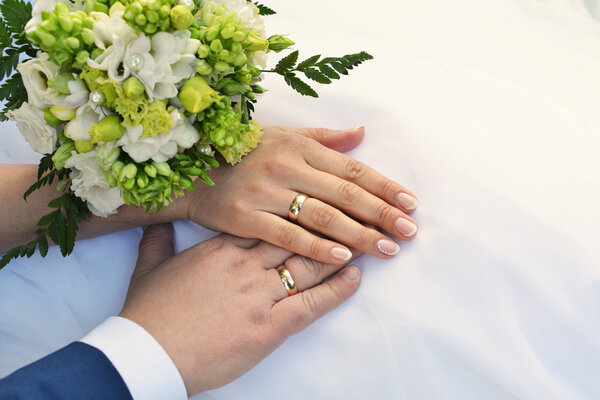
<point x="77" y="371"/>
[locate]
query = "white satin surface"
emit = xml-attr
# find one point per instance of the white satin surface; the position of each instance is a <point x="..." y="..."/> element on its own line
<point x="490" y="112"/>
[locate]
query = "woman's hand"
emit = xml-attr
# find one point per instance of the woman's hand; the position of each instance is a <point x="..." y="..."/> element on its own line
<point x="252" y="199"/>
<point x="220" y="307"/>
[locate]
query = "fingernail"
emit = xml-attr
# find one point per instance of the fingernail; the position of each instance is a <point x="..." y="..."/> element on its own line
<point x="407" y="201"/>
<point x="405" y="227"/>
<point x="388" y="247"/>
<point x="357" y="128"/>
<point x="341" y="254"/>
<point x="351" y="273"/>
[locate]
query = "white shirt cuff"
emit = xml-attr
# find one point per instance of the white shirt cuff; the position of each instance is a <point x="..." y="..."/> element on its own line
<point x="144" y="365"/>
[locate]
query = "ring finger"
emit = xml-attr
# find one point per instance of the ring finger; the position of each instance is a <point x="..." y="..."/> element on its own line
<point x="304" y="272"/>
<point x="356" y="201"/>
<point x="331" y="222"/>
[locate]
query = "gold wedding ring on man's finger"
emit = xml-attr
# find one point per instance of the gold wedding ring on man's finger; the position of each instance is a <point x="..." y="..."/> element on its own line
<point x="296" y="205"/>
<point x="288" y="281"/>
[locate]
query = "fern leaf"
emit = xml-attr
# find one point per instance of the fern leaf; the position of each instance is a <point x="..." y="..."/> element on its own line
<point x="299" y="86"/>
<point x="287" y="63"/>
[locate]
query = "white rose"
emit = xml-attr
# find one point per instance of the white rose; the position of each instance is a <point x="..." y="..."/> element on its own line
<point x="30" y="120"/>
<point x="36" y="73"/>
<point x="88" y="182"/>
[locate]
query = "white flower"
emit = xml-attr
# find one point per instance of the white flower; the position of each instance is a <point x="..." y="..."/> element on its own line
<point x="112" y="35"/>
<point x="258" y="59"/>
<point x="36" y="14"/>
<point x="30" y="120"/>
<point x="247" y="12"/>
<point x="88" y="182"/>
<point x="86" y="115"/>
<point x="166" y="60"/>
<point x="36" y="73"/>
<point x="79" y="94"/>
<point x="161" y="147"/>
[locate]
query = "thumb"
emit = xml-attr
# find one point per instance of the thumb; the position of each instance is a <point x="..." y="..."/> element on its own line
<point x="155" y="247"/>
<point x="339" y="140"/>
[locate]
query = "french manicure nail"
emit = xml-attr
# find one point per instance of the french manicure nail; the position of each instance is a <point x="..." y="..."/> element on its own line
<point x="341" y="254"/>
<point x="351" y="273"/>
<point x="405" y="227"/>
<point x="407" y="201"/>
<point x="388" y="247"/>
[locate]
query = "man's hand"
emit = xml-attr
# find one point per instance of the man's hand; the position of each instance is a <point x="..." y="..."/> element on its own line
<point x="220" y="307"/>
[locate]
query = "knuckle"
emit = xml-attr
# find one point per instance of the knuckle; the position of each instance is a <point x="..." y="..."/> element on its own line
<point x="274" y="166"/>
<point x="319" y="134"/>
<point x="311" y="303"/>
<point x="348" y="192"/>
<point x="286" y="234"/>
<point x="323" y="216"/>
<point x="335" y="290"/>
<point x="253" y="189"/>
<point x="354" y="169"/>
<point x="386" y="187"/>
<point x="384" y="212"/>
<point x="363" y="236"/>
<point x="291" y="141"/>
<point x="313" y="269"/>
<point x="315" y="248"/>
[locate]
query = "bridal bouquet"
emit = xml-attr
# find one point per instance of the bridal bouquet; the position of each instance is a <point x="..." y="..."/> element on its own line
<point x="130" y="101"/>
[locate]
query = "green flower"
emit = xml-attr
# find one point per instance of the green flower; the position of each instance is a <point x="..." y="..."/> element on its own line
<point x="181" y="17"/>
<point x="133" y="111"/>
<point x="133" y="88"/>
<point x="62" y="154"/>
<point x="97" y="80"/>
<point x="157" y="120"/>
<point x="84" y="146"/>
<point x="64" y="35"/>
<point x="248" y="141"/>
<point x="61" y="83"/>
<point x="196" y="95"/>
<point x="107" y="130"/>
<point x="62" y="113"/>
<point x="279" y="42"/>
<point x="255" y="43"/>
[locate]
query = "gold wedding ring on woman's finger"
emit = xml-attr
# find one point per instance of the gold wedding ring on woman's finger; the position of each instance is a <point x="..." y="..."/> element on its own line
<point x="288" y="281"/>
<point x="296" y="205"/>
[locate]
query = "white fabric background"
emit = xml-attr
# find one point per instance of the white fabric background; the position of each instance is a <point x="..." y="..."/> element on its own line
<point x="489" y="111"/>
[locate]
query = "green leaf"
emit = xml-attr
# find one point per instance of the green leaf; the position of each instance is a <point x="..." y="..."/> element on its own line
<point x="287" y="63"/>
<point x="309" y="62"/>
<point x="16" y="14"/>
<point x="46" y="164"/>
<point x="13" y="91"/>
<point x="57" y="202"/>
<point x="43" y="243"/>
<point x="48" y="218"/>
<point x="339" y="67"/>
<point x="357" y="59"/>
<point x="8" y="63"/>
<point x="5" y="37"/>
<point x="60" y="184"/>
<point x="299" y="86"/>
<point x="264" y="10"/>
<point x="329" y="72"/>
<point x="10" y="255"/>
<point x="317" y="76"/>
